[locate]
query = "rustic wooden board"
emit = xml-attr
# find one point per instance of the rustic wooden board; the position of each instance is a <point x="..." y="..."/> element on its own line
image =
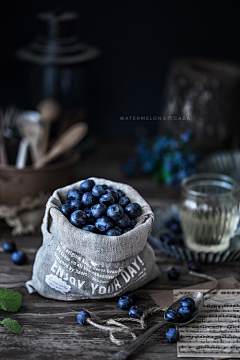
<point x="55" y="333"/>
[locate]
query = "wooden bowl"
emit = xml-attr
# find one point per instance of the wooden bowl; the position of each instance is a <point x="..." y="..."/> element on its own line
<point x="17" y="183"/>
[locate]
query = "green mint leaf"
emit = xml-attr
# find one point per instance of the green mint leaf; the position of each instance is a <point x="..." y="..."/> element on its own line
<point x="12" y="325"/>
<point x="10" y="300"/>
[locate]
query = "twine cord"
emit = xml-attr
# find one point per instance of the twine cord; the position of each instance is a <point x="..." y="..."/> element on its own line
<point x="116" y="325"/>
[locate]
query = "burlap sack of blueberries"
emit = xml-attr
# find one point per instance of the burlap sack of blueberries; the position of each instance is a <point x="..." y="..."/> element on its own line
<point x="93" y="247"/>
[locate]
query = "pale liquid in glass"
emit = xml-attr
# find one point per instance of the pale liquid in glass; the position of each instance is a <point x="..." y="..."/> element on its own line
<point x="208" y="228"/>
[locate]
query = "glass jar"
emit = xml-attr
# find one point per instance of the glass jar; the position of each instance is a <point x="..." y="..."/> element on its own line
<point x="209" y="211"/>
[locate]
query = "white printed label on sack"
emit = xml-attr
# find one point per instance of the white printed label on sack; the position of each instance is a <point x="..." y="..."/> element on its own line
<point x="71" y="270"/>
<point x="57" y="283"/>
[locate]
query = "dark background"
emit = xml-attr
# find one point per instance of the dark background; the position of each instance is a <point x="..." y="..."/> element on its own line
<point x="138" y="39"/>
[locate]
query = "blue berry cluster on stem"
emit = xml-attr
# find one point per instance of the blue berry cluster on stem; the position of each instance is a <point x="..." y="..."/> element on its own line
<point x="169" y="160"/>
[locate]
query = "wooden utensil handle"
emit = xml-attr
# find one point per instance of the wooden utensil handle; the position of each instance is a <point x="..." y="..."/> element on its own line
<point x="65" y="142"/>
<point x="134" y="345"/>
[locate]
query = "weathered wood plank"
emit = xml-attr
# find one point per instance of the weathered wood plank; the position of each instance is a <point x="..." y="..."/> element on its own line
<point x="54" y="332"/>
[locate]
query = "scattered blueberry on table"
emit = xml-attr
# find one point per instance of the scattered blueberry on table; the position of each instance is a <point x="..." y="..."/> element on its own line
<point x="125" y="302"/>
<point x="9" y="246"/>
<point x="82" y="317"/>
<point x="100" y="209"/>
<point x="135" y="312"/>
<point x="172" y="335"/>
<point x="194" y="266"/>
<point x="19" y="258"/>
<point x="173" y="274"/>
<point x="132" y="295"/>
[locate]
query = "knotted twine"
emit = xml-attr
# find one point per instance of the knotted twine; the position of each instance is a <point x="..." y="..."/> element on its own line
<point x="116" y="325"/>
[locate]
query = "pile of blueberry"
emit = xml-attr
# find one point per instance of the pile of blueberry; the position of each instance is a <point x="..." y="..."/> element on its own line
<point x="100" y="209"/>
<point x="184" y="313"/>
<point x="18" y="257"/>
<point x="169" y="159"/>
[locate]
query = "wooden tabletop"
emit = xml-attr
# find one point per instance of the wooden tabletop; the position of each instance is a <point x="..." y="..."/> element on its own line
<point x="50" y="327"/>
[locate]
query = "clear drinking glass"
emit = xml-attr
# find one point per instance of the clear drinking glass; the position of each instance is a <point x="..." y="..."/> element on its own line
<point x="209" y="211"/>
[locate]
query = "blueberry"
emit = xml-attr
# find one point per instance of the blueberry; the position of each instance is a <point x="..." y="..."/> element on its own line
<point x="175" y="217"/>
<point x="103" y="224"/>
<point x="125" y="302"/>
<point x="113" y="193"/>
<point x="98" y="210"/>
<point x="19" y="258"/>
<point x="118" y="229"/>
<point x="66" y="210"/>
<point x="120" y="193"/>
<point x="113" y="232"/>
<point x="82" y="317"/>
<point x="132" y="295"/>
<point x="127" y="229"/>
<point x="78" y="218"/>
<point x="185" y="313"/>
<point x="194" y="266"/>
<point x="115" y="212"/>
<point x="67" y="202"/>
<point x="135" y="312"/>
<point x="75" y="205"/>
<point x="124" y="222"/>
<point x="88" y="199"/>
<point x="90" y="218"/>
<point x="187" y="136"/>
<point x="124" y="201"/>
<point x="98" y="191"/>
<point x="172" y="335"/>
<point x="133" y="210"/>
<point x="165" y="238"/>
<point x="9" y="246"/>
<point x="90" y="228"/>
<point x="172" y="316"/>
<point x="173" y="274"/>
<point x="188" y="302"/>
<point x="107" y="199"/>
<point x="133" y="223"/>
<point x="105" y="187"/>
<point x="174" y="226"/>
<point x="74" y="195"/>
<point x="87" y="185"/>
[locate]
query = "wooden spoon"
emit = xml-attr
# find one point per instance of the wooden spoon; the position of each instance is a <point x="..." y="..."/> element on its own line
<point x="49" y="109"/>
<point x="65" y="142"/>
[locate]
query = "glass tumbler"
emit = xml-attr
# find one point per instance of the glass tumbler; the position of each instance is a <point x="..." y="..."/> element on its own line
<point x="209" y="211"/>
